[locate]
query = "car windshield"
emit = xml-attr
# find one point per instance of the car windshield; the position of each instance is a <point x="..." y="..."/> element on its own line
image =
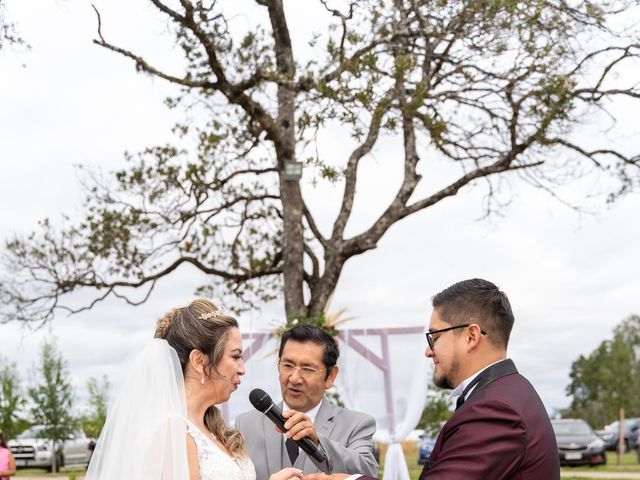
<point x="612" y="426"/>
<point x="33" y="432"/>
<point x="571" y="428"/>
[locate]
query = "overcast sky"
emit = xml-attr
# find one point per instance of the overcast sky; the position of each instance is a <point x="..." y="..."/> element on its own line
<point x="570" y="277"/>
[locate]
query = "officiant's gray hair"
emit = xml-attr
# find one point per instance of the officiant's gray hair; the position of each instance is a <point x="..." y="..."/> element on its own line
<point x="203" y="326"/>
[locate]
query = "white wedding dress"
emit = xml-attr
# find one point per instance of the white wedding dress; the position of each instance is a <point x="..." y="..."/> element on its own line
<point x="144" y="437"/>
<point x="216" y="463"/>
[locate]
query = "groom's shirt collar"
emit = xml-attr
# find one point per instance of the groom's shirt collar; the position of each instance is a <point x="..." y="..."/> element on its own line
<point x="456" y="392"/>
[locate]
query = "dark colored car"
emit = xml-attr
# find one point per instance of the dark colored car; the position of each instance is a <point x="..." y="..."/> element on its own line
<point x="578" y="444"/>
<point x="425" y="447"/>
<point x="610" y="434"/>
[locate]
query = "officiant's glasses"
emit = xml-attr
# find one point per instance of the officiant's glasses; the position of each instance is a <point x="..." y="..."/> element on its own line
<point x="286" y="368"/>
<point x="432" y="341"/>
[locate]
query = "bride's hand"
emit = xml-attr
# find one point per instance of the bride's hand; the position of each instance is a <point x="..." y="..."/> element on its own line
<point x="287" y="474"/>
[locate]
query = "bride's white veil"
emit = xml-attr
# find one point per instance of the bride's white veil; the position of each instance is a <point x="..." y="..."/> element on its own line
<point x="144" y="437"/>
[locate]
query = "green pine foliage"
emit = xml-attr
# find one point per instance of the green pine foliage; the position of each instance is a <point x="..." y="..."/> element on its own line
<point x="12" y="400"/>
<point x="52" y="396"/>
<point x="93" y="420"/>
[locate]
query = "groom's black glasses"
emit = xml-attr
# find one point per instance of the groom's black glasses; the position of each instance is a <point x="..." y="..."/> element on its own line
<point x="431" y="341"/>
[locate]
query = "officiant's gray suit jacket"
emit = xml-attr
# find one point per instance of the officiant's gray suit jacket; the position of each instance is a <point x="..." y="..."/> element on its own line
<point x="345" y="436"/>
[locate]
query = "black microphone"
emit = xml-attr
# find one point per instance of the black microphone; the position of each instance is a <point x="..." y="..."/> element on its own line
<point x="262" y="402"/>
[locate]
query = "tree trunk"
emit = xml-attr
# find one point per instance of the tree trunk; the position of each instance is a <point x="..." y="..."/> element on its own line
<point x="292" y="235"/>
<point x="54" y="460"/>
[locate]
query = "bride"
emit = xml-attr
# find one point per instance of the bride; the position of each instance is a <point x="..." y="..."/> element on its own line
<point x="164" y="423"/>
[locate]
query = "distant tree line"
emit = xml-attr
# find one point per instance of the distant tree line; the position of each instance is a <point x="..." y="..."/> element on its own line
<point x="436" y="411"/>
<point x="608" y="379"/>
<point x="49" y="399"/>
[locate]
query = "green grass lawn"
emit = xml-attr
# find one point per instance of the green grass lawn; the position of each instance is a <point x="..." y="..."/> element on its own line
<point x="630" y="463"/>
<point x="70" y="472"/>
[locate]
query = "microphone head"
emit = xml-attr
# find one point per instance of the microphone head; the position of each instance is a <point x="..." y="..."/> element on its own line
<point x="260" y="399"/>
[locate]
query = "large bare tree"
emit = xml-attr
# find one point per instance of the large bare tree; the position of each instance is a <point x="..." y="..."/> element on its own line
<point x="493" y="87"/>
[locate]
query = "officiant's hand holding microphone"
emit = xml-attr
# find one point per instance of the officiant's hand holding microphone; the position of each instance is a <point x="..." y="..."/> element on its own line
<point x="295" y="425"/>
<point x="299" y="426"/>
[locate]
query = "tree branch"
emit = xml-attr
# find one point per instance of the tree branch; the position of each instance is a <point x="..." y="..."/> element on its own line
<point x="143" y="65"/>
<point x="352" y="165"/>
<point x="312" y="225"/>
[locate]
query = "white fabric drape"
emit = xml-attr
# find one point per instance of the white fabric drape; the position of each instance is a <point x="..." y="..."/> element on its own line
<point x="395" y="464"/>
<point x="144" y="437"/>
<point x="361" y="387"/>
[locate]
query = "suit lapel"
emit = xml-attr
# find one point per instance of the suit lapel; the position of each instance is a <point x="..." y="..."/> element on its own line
<point x="324" y="419"/>
<point x="324" y="426"/>
<point x="499" y="370"/>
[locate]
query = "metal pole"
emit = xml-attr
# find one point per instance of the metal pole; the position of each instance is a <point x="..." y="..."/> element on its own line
<point x="621" y="445"/>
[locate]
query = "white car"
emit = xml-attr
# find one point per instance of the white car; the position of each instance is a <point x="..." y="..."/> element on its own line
<point x="30" y="450"/>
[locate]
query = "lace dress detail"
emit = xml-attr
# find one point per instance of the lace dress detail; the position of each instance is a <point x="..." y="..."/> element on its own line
<point x="215" y="463"/>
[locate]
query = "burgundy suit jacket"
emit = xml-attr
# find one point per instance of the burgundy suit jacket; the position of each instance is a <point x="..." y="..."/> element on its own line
<point x="501" y="432"/>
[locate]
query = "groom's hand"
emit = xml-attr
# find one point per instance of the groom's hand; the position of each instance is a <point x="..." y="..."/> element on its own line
<point x="298" y="426"/>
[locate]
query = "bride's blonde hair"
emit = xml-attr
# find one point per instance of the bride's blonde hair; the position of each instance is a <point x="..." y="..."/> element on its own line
<point x="203" y="326"/>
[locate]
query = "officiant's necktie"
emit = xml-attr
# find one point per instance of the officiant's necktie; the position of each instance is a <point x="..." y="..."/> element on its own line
<point x="292" y="450"/>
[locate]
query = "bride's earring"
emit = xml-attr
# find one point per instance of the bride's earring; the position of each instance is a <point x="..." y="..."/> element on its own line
<point x="202" y="379"/>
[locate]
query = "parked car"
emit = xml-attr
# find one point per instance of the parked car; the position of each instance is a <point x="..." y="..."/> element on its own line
<point x="578" y="444"/>
<point x="610" y="434"/>
<point x="426" y="442"/>
<point x="30" y="450"/>
<point x="425" y="447"/>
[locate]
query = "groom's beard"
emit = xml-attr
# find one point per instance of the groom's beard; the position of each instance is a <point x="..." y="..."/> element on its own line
<point x="446" y="380"/>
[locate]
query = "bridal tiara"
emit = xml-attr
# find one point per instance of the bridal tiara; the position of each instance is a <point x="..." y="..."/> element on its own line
<point x="215" y="314"/>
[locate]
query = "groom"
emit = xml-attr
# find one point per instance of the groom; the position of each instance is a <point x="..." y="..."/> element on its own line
<point x="500" y="429"/>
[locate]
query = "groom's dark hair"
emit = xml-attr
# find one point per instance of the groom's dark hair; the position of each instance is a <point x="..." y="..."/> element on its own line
<point x="304" y="332"/>
<point x="477" y="301"/>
